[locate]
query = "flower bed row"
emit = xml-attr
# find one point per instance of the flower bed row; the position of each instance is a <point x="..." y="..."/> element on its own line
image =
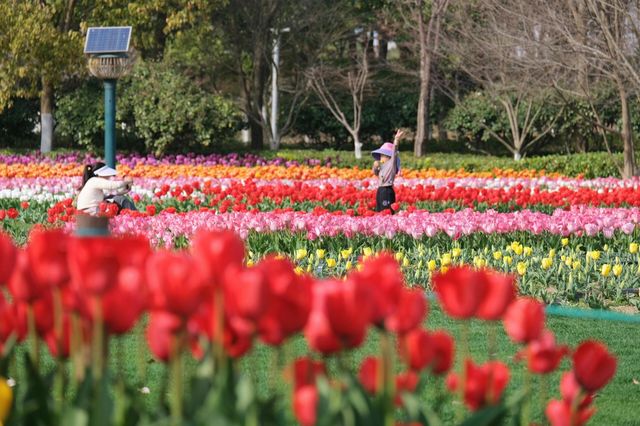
<point x="418" y="193"/>
<point x="77" y="294"/>
<point x="44" y="170"/>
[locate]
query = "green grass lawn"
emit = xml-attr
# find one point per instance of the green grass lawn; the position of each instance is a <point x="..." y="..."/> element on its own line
<point x="616" y="404"/>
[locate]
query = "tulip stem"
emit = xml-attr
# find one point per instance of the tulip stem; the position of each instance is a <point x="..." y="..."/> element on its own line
<point x="176" y="380"/>
<point x="464" y="353"/>
<point x="142" y="353"/>
<point x="59" y="336"/>
<point x="492" y="341"/>
<point x="218" y="327"/>
<point x="33" y="336"/>
<point x="386" y="348"/>
<point x="543" y="391"/>
<point x="526" y="408"/>
<point x="98" y="340"/>
<point x="77" y="350"/>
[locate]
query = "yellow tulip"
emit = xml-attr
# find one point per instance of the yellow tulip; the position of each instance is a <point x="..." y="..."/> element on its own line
<point x="497" y="255"/>
<point x="367" y="251"/>
<point x="605" y="270"/>
<point x="479" y="262"/>
<point x="331" y="262"/>
<point x="309" y="268"/>
<point x="527" y="251"/>
<point x="633" y="248"/>
<point x="521" y="268"/>
<point x="444" y="269"/>
<point x="575" y="265"/>
<point x="320" y="253"/>
<point x="431" y="265"/>
<point x="518" y="250"/>
<point x="399" y="256"/>
<point x="346" y="253"/>
<point x="279" y="256"/>
<point x="446" y="259"/>
<point x="508" y="260"/>
<point x="617" y="269"/>
<point x="594" y="254"/>
<point x="405" y="262"/>
<point x="606" y="247"/>
<point x="348" y="265"/>
<point x="552" y="253"/>
<point x="514" y="246"/>
<point x="564" y="242"/>
<point x="546" y="263"/>
<point x="298" y="270"/>
<point x="568" y="261"/>
<point x="311" y="257"/>
<point x="359" y="267"/>
<point x="301" y="254"/>
<point x="6" y="399"/>
<point x="249" y="263"/>
<point x="456" y="252"/>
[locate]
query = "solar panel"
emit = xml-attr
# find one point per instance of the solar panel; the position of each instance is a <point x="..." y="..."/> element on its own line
<point x="107" y="40"/>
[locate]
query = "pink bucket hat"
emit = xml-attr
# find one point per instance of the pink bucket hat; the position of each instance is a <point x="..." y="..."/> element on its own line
<point x="387" y="149"/>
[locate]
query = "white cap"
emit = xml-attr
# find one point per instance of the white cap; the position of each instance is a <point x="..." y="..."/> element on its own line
<point x="105" y="171"/>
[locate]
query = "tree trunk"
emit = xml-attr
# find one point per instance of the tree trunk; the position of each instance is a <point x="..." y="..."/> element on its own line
<point x="626" y="134"/>
<point x="257" y="135"/>
<point x="425" y="92"/>
<point x="46" y="117"/>
<point x="517" y="156"/>
<point x="259" y="83"/>
<point x="357" y="145"/>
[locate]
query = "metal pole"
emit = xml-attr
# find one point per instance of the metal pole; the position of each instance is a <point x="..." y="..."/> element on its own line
<point x="274" y="92"/>
<point x="110" y="122"/>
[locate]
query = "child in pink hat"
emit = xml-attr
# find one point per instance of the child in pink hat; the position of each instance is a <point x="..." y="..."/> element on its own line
<point x="386" y="166"/>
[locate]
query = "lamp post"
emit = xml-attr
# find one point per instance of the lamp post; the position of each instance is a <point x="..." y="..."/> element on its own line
<point x="109" y="69"/>
<point x="275" y="139"/>
<point x="110" y="58"/>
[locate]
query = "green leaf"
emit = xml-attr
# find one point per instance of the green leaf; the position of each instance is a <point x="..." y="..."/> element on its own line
<point x="492" y="415"/>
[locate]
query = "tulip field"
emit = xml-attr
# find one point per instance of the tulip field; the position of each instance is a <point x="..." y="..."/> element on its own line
<point x="246" y="290"/>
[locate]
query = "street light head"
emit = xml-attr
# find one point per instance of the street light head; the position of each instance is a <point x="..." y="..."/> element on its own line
<point x="111" y="67"/>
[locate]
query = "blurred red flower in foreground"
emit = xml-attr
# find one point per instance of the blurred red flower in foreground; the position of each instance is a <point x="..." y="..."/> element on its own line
<point x="483" y="384"/>
<point x="594" y="366"/>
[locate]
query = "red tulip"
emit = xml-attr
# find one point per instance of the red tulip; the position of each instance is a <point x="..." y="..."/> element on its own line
<point x="236" y="344"/>
<point x="289" y="302"/>
<point x="318" y="331"/>
<point x="22" y="284"/>
<point x="384" y="277"/>
<point x="7" y="321"/>
<point x="306" y="371"/>
<point x="47" y="250"/>
<point x="543" y="355"/>
<point x="460" y="291"/>
<point x="443" y="350"/>
<point x="409" y="313"/>
<point x="175" y="283"/>
<point x="7" y="256"/>
<point x="570" y="390"/>
<point x="93" y="263"/>
<point x="560" y="413"/>
<point x="348" y="310"/>
<point x="405" y="382"/>
<point x="524" y="320"/>
<point x="246" y="296"/>
<point x="370" y="374"/>
<point x="305" y="403"/>
<point x="594" y="366"/>
<point x="59" y="346"/>
<point x="483" y="385"/>
<point x="161" y="334"/>
<point x="124" y="303"/>
<point x="215" y="251"/>
<point x="500" y="292"/>
<point x="417" y="349"/>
